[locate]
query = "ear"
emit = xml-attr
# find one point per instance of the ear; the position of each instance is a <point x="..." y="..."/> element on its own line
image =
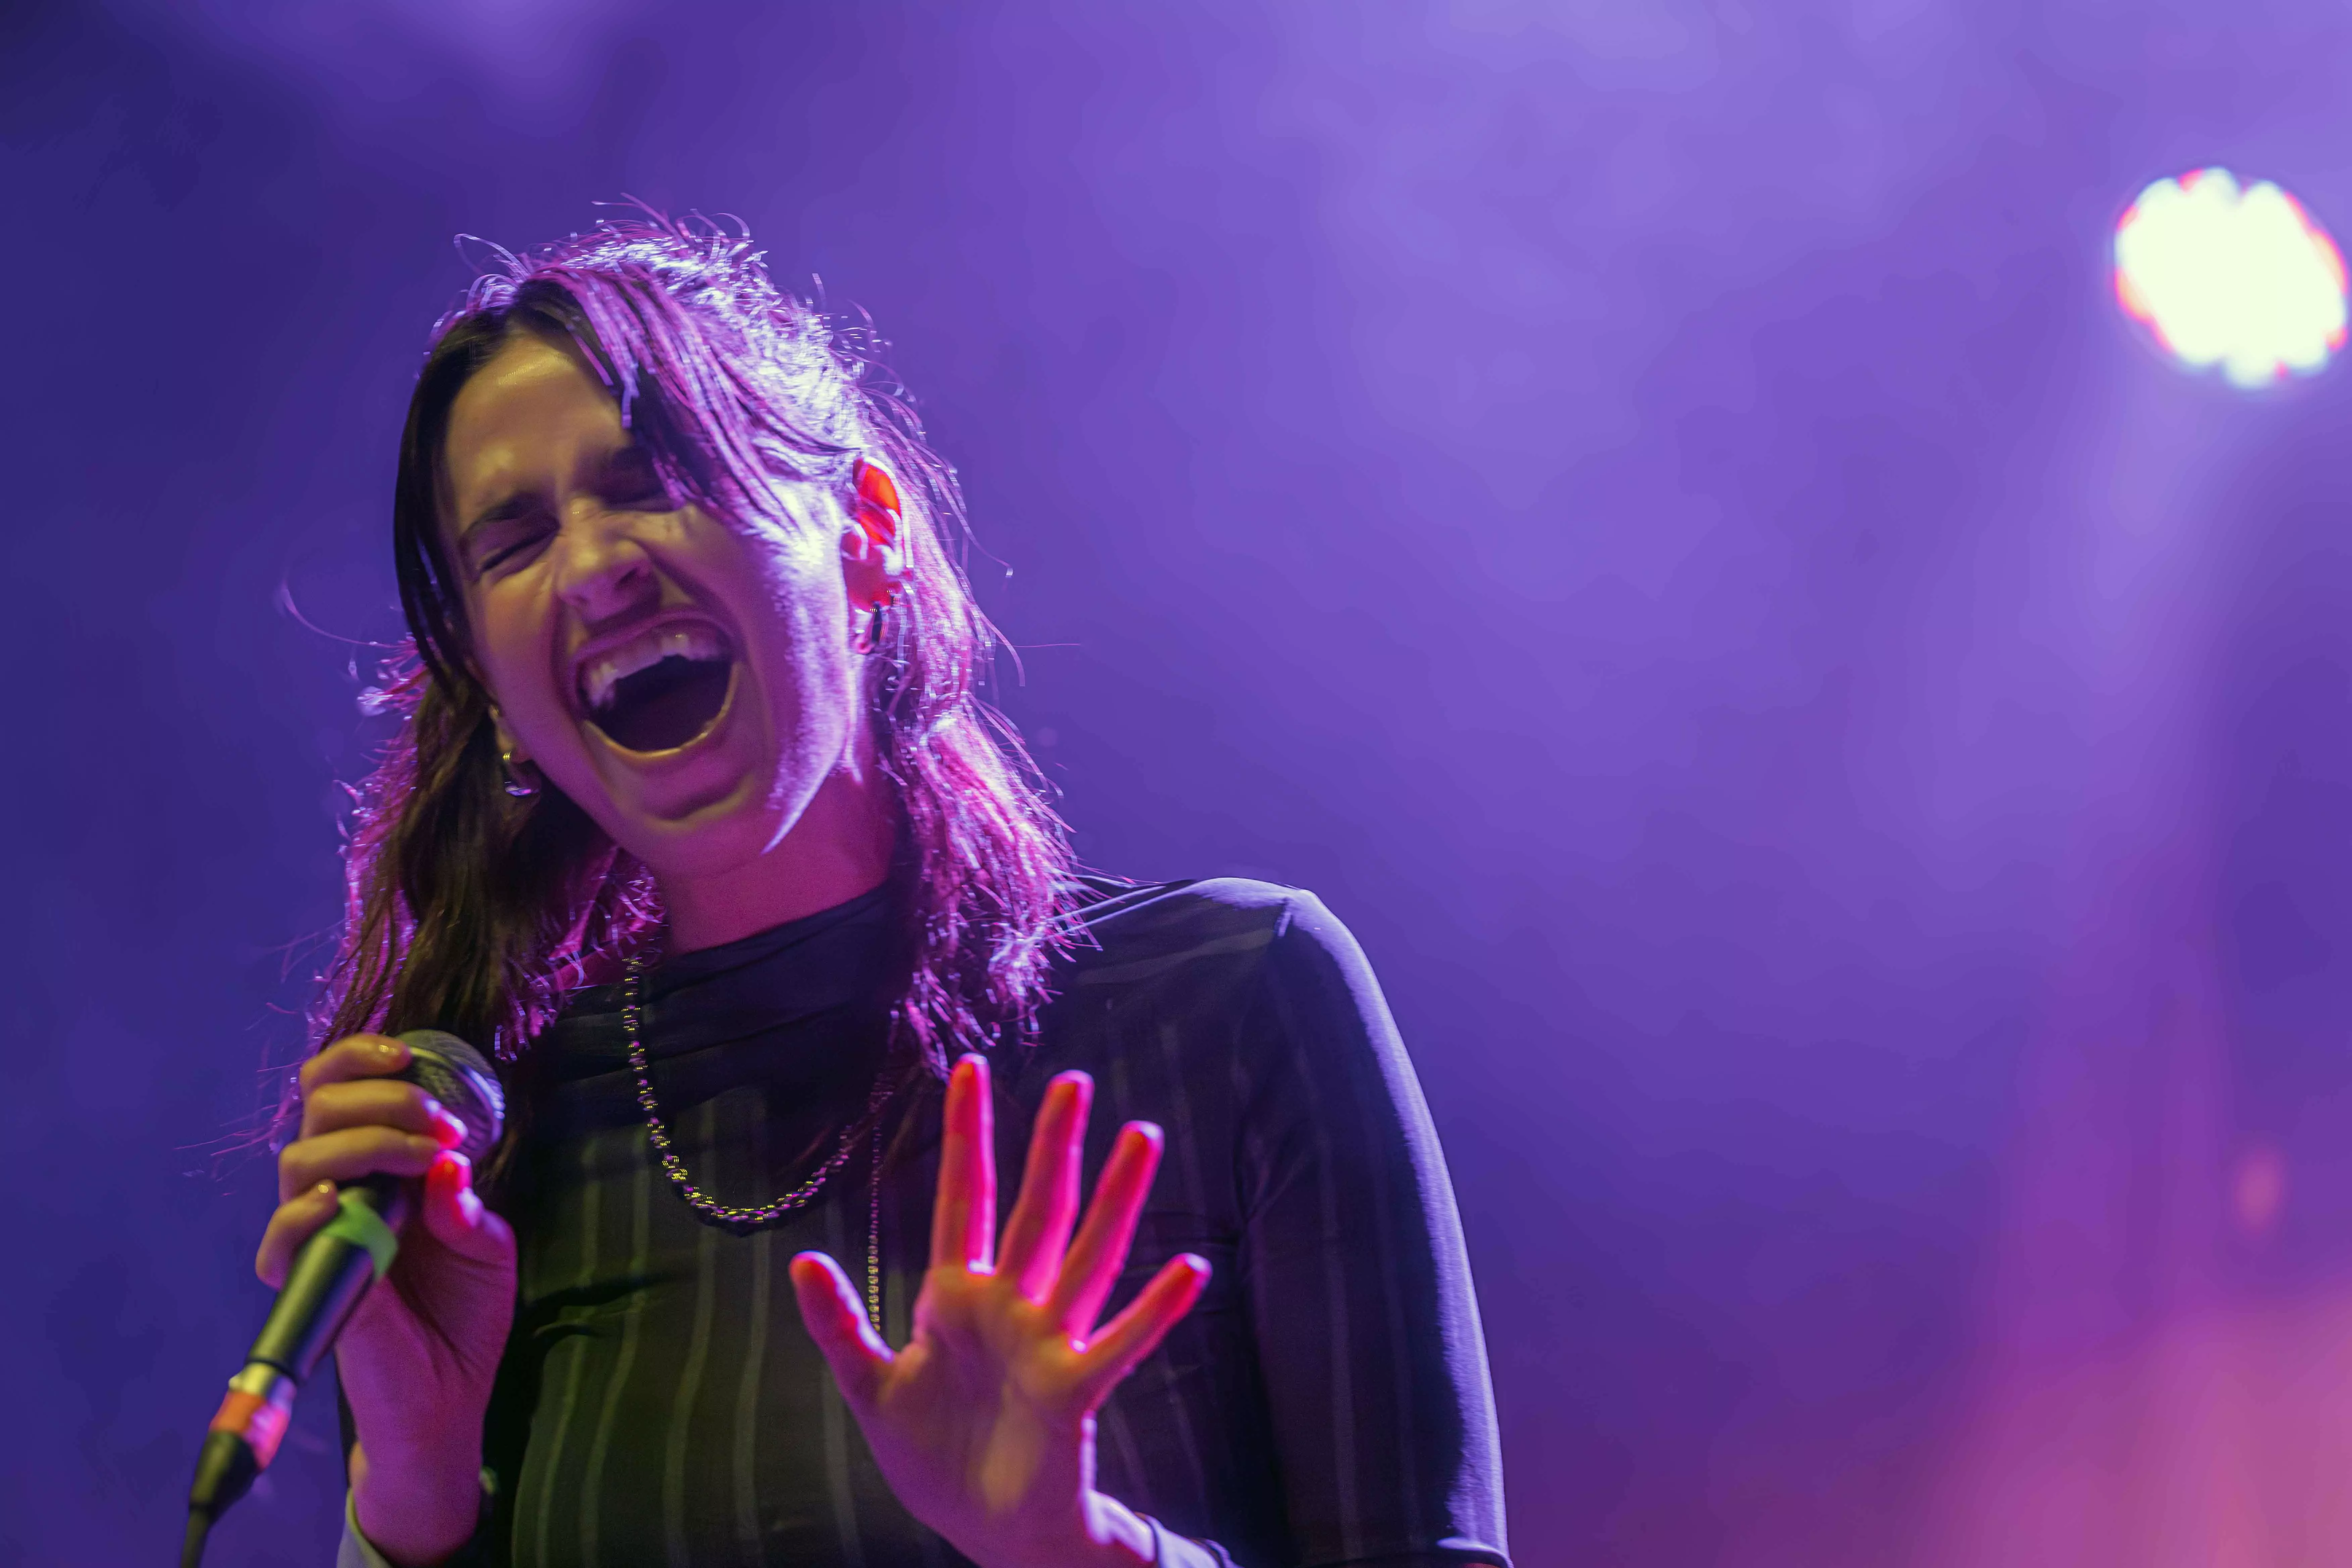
<point x="873" y="559"/>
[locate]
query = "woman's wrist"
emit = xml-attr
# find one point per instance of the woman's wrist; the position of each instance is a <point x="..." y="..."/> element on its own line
<point x="1122" y="1538"/>
<point x="417" y="1506"/>
<point x="1103" y="1533"/>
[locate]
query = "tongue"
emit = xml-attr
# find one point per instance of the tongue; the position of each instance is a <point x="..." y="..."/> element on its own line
<point x="664" y="705"/>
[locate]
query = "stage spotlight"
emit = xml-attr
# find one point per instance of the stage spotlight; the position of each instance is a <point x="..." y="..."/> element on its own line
<point x="2241" y="278"/>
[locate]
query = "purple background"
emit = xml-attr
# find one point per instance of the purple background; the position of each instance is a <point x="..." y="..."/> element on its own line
<point x="1840" y="753"/>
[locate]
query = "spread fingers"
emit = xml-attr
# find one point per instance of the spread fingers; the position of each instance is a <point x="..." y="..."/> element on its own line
<point x="1100" y="1250"/>
<point x="1039" y="1231"/>
<point x="1136" y="1332"/>
<point x="963" y="1221"/>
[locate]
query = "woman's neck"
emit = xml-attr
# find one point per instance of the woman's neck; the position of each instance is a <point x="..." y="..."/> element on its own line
<point x="840" y="847"/>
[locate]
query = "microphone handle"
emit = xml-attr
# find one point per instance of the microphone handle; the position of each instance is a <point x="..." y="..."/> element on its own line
<point x="330" y="1274"/>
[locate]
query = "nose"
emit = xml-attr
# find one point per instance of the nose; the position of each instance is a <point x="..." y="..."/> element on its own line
<point x="601" y="571"/>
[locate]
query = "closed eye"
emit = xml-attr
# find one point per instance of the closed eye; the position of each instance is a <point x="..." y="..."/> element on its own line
<point x="507" y="538"/>
<point x="630" y="480"/>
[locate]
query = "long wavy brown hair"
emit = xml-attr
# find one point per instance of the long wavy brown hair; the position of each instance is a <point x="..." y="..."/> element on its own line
<point x="472" y="910"/>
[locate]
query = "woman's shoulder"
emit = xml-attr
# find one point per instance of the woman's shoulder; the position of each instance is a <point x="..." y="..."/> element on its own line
<point x="1129" y="930"/>
<point x="1227" y="996"/>
<point x="1211" y="946"/>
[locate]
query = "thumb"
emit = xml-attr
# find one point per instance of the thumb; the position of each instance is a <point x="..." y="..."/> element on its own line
<point x="836" y="1321"/>
<point x="455" y="1215"/>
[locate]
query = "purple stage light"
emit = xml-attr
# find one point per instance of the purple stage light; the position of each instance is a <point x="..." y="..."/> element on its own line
<point x="2239" y="278"/>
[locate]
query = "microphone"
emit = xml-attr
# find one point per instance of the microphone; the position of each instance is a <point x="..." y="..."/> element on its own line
<point x="324" y="1285"/>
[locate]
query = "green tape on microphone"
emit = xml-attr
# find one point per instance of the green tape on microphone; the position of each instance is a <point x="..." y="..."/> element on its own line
<point x="361" y="1226"/>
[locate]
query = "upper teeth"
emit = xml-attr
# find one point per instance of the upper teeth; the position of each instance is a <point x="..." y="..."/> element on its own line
<point x="609" y="668"/>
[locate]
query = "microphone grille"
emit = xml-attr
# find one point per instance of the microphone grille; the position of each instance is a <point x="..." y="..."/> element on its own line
<point x="463" y="1080"/>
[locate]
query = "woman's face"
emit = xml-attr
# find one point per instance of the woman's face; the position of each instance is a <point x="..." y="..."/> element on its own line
<point x="689" y="683"/>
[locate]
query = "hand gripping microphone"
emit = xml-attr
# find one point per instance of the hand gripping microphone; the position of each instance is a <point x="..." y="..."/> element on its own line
<point x="328" y="1275"/>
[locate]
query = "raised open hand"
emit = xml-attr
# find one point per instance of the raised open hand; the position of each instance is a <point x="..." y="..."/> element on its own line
<point x="983" y="1423"/>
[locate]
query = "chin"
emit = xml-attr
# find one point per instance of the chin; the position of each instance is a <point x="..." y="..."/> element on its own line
<point x="708" y="811"/>
<point x="691" y="821"/>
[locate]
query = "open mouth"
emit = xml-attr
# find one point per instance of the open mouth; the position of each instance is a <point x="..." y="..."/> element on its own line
<point x="658" y="690"/>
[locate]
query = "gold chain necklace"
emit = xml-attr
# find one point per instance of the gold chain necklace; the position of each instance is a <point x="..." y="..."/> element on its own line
<point x="868" y="1126"/>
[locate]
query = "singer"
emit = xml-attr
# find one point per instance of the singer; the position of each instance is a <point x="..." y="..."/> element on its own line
<point x="694" y="820"/>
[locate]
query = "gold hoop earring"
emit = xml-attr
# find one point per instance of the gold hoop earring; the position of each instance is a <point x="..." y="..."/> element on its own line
<point x="518" y="785"/>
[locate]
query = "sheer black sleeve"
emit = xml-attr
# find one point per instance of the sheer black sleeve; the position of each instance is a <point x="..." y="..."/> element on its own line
<point x="1355" y="1275"/>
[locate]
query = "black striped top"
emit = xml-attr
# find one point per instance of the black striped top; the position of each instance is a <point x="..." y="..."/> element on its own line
<point x="1326" y="1403"/>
